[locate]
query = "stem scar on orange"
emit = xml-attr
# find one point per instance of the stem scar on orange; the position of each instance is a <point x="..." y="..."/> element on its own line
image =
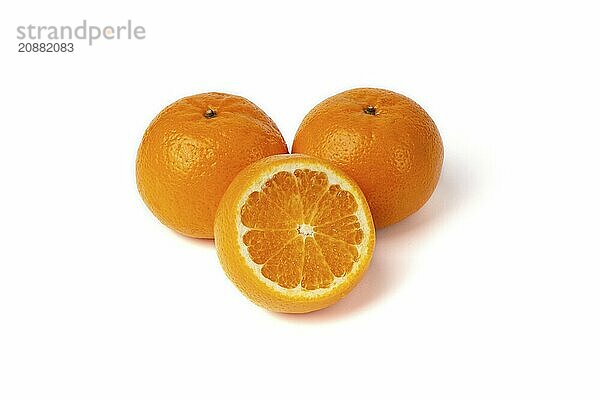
<point x="385" y="141"/>
<point x="294" y="233"/>
<point x="193" y="149"/>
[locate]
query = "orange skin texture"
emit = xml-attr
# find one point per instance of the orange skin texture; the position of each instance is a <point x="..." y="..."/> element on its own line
<point x="186" y="160"/>
<point x="234" y="264"/>
<point x="395" y="155"/>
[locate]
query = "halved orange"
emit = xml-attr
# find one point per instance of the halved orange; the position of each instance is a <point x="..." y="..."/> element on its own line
<point x="294" y="233"/>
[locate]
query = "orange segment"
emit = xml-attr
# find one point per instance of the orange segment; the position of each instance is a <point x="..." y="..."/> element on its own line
<point x="316" y="273"/>
<point x="260" y="211"/>
<point x="282" y="191"/>
<point x="263" y="245"/>
<point x="285" y="267"/>
<point x="339" y="255"/>
<point x="346" y="229"/>
<point x="311" y="187"/>
<point x="334" y="205"/>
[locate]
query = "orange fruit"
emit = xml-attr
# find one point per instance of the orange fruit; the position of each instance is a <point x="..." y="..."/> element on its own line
<point x="193" y="149"/>
<point x="294" y="233"/>
<point x="385" y="141"/>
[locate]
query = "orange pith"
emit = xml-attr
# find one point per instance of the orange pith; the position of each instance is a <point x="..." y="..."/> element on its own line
<point x="301" y="231"/>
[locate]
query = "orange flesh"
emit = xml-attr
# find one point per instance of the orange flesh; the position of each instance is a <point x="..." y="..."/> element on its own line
<point x="302" y="230"/>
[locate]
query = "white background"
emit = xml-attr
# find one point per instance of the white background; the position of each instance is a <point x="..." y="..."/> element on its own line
<point x="491" y="291"/>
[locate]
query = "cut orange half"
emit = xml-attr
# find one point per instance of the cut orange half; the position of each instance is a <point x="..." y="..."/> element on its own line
<point x="294" y="233"/>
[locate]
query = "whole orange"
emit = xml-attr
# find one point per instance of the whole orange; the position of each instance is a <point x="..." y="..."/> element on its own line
<point x="385" y="141"/>
<point x="193" y="149"/>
